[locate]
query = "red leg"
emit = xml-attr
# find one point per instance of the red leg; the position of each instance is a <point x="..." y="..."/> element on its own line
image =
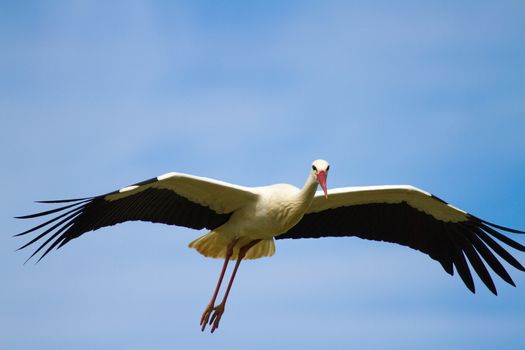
<point x="207" y="312"/>
<point x="219" y="309"/>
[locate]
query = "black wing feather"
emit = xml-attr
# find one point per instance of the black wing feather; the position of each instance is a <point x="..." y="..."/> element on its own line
<point x="488" y="256"/>
<point x="46" y="223"/>
<point x="152" y="204"/>
<point x="449" y="243"/>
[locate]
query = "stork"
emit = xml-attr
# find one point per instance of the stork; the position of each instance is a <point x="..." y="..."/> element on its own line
<point x="243" y="222"/>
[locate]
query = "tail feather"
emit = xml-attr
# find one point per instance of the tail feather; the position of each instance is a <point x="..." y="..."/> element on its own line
<point x="264" y="248"/>
<point x="212" y="245"/>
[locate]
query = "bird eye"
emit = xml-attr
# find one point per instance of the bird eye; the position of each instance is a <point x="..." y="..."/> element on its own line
<point x="328" y="168"/>
<point x="314" y="168"/>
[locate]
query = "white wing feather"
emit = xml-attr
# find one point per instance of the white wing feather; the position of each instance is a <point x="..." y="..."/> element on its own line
<point x="419" y="199"/>
<point x="220" y="196"/>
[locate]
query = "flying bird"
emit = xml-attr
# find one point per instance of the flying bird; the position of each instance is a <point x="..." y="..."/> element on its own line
<point x="243" y="222"/>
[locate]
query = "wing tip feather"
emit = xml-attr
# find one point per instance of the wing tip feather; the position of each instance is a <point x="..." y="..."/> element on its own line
<point x="504" y="228"/>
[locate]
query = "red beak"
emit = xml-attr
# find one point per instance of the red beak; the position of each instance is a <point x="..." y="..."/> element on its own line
<point x="321" y="178"/>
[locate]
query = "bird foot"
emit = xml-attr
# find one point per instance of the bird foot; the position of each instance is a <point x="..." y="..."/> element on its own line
<point x="212" y="316"/>
<point x="216" y="316"/>
<point x="206" y="316"/>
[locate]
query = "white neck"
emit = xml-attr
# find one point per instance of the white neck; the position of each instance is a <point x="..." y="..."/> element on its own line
<point x="309" y="188"/>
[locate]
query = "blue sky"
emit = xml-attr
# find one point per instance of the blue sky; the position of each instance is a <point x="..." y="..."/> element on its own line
<point x="96" y="95"/>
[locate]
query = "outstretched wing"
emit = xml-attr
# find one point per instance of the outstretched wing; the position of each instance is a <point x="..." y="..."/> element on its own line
<point x="173" y="198"/>
<point x="414" y="218"/>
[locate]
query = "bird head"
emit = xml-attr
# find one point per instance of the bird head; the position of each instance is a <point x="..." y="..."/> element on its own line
<point x="320" y="170"/>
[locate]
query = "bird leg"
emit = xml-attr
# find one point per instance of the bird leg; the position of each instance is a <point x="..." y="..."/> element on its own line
<point x="219" y="309"/>
<point x="207" y="312"/>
